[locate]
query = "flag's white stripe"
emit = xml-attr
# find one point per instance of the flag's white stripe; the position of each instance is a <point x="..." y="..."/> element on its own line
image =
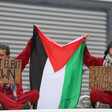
<point x="51" y="87"/>
<point x="75" y="40"/>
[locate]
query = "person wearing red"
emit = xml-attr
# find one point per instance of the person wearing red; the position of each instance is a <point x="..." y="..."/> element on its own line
<point x="99" y="96"/>
<point x="11" y="95"/>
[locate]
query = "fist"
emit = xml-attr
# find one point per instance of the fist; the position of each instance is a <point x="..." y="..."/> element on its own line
<point x="86" y="36"/>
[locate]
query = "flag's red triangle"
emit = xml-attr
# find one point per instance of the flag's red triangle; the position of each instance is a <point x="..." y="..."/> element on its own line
<point x="57" y="54"/>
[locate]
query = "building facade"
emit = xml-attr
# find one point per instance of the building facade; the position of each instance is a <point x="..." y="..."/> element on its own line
<point x="62" y="21"/>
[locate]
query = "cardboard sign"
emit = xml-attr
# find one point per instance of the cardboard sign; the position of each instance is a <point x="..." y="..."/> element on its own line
<point x="100" y="77"/>
<point x="10" y="70"/>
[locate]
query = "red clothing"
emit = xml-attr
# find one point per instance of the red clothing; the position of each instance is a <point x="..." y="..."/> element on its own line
<point x="11" y="104"/>
<point x="32" y="96"/>
<point x="91" y="60"/>
<point x="97" y="94"/>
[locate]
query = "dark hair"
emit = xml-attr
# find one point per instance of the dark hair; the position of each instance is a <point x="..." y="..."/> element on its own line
<point x="107" y="50"/>
<point x="6" y="48"/>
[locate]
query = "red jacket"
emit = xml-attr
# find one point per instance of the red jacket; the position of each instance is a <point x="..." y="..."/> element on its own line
<point x="91" y="60"/>
<point x="24" y="56"/>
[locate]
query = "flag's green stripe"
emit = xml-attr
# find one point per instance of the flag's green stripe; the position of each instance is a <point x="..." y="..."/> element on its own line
<point x="73" y="78"/>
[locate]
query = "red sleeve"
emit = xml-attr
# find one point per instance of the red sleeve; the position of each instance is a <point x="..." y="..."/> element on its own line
<point x="91" y="60"/>
<point x="25" y="55"/>
<point x="3" y="90"/>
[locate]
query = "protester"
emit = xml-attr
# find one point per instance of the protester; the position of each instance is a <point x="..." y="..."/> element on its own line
<point x="10" y="100"/>
<point x="99" y="96"/>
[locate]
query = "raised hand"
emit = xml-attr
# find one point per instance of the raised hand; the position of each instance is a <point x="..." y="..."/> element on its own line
<point x="86" y="36"/>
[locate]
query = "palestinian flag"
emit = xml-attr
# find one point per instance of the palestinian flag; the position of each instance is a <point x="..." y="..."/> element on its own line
<point x="56" y="71"/>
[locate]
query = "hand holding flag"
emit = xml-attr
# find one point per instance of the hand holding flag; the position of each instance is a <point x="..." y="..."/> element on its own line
<point x="86" y="36"/>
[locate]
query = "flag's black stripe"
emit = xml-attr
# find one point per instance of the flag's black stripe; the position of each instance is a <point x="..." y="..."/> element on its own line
<point x="37" y="62"/>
